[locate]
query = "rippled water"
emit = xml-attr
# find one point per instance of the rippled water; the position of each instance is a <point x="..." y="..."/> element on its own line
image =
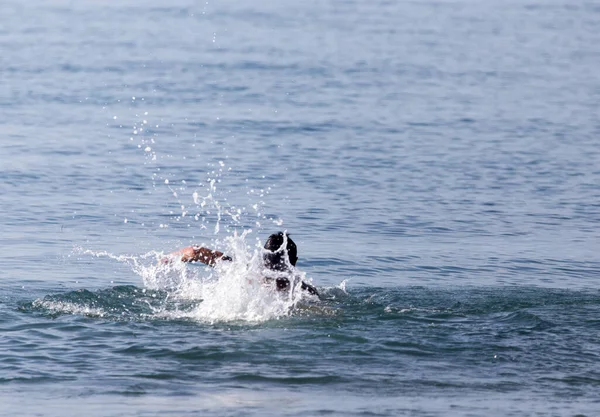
<point x="436" y="163"/>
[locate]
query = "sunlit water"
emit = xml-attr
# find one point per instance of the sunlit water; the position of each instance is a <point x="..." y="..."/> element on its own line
<point x="436" y="163"/>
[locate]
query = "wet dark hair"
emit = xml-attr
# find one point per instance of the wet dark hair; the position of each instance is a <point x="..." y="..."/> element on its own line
<point x="275" y="256"/>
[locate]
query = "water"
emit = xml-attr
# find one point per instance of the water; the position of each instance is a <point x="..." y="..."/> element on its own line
<point x="436" y="163"/>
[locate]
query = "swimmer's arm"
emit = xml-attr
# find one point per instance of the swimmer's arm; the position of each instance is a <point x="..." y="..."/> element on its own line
<point x="198" y="254"/>
<point x="311" y="290"/>
<point x="284" y="284"/>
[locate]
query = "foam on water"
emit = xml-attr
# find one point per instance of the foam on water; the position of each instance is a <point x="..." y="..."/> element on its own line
<point x="231" y="291"/>
<point x="64" y="307"/>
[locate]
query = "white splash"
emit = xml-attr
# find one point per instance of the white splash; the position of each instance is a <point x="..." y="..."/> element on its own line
<point x="239" y="292"/>
<point x="231" y="291"/>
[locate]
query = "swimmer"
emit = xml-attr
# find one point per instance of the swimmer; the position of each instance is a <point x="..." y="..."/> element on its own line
<point x="278" y="260"/>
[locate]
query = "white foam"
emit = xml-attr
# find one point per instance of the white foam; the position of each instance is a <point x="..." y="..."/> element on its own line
<point x="231" y="291"/>
<point x="65" y="307"/>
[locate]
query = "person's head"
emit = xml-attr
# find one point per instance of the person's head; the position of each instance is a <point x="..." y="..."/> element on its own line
<point x="280" y="249"/>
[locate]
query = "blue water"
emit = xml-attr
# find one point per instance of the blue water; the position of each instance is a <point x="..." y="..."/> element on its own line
<point x="437" y="164"/>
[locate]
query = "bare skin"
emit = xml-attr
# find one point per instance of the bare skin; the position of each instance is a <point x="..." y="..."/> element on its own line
<point x="197" y="254"/>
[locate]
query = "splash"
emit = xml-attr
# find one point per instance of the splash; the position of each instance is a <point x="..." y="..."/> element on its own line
<point x="203" y="202"/>
<point x="229" y="292"/>
<point x="240" y="293"/>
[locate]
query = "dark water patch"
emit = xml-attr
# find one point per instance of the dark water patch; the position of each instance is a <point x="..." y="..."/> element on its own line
<point x="133" y="390"/>
<point x="407" y="348"/>
<point x="50" y="379"/>
<point x="318" y="380"/>
<point x="195" y="354"/>
<point x="160" y="376"/>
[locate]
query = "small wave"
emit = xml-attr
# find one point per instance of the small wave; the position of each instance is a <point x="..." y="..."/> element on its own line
<point x="55" y="308"/>
<point x="117" y="303"/>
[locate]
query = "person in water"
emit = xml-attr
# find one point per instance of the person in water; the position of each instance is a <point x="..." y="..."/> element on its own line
<point x="279" y="258"/>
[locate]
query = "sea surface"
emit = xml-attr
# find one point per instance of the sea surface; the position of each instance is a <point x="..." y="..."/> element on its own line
<point x="436" y="162"/>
